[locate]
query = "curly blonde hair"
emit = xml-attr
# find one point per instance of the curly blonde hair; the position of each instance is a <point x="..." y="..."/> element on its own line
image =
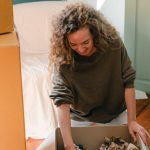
<point x="72" y="18"/>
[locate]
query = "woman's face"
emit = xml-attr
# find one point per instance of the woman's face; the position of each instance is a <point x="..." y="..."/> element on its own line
<point x="81" y="41"/>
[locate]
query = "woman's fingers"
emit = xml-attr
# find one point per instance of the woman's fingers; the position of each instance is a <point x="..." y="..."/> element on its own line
<point x="142" y="133"/>
<point x="133" y="136"/>
<point x="148" y="135"/>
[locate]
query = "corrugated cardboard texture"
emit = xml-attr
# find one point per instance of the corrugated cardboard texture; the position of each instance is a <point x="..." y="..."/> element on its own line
<point x="92" y="137"/>
<point x="6" y="16"/>
<point x="12" y="132"/>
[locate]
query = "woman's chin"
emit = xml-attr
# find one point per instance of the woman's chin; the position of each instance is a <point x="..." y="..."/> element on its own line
<point x="84" y="54"/>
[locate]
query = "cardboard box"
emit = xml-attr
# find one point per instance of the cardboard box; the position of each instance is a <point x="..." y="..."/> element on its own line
<point x="92" y="137"/>
<point x="6" y="16"/>
<point x="12" y="131"/>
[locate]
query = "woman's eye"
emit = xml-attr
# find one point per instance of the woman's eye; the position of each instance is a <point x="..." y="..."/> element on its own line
<point x="73" y="45"/>
<point x="87" y="42"/>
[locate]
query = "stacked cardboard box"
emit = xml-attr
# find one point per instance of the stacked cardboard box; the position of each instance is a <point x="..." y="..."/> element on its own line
<point x="12" y="131"/>
<point x="6" y="16"/>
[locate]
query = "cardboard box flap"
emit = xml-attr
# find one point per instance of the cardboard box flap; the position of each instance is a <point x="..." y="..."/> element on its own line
<point x="141" y="144"/>
<point x="9" y="39"/>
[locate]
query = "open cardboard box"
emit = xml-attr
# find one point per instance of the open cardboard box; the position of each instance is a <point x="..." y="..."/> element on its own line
<point x="92" y="137"/>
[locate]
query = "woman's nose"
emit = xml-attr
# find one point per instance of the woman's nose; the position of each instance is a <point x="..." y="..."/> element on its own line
<point x="81" y="48"/>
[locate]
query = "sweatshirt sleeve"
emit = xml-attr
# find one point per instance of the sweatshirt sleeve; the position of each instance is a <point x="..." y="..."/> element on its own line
<point x="128" y="73"/>
<point x="61" y="92"/>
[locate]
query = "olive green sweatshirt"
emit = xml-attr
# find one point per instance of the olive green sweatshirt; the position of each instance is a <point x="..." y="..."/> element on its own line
<point x="95" y="85"/>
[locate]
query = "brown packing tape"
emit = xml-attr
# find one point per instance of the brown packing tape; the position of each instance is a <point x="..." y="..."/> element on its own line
<point x="6" y="16"/>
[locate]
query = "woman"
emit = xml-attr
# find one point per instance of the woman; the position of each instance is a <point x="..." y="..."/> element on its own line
<point x="93" y="78"/>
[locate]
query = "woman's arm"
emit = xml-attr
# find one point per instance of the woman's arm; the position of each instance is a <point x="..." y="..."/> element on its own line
<point x="134" y="127"/>
<point x="63" y="115"/>
<point x="131" y="104"/>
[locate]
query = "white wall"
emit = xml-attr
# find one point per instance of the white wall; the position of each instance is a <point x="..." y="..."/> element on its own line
<point x="114" y="11"/>
<point x="90" y="2"/>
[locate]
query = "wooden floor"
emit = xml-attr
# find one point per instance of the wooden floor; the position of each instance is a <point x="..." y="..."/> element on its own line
<point x="32" y="144"/>
<point x="143" y="117"/>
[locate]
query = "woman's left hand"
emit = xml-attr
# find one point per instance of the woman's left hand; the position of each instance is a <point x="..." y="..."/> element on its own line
<point x="135" y="128"/>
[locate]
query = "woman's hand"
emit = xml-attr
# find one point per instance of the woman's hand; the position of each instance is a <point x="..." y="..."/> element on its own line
<point x="135" y="128"/>
<point x="70" y="147"/>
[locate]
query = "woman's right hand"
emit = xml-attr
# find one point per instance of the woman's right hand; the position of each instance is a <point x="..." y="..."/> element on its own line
<point x="70" y="147"/>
